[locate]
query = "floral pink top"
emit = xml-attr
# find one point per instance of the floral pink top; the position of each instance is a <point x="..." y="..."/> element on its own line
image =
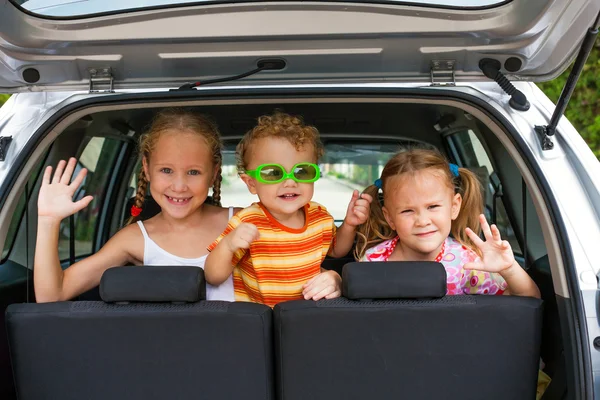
<point x="453" y="256"/>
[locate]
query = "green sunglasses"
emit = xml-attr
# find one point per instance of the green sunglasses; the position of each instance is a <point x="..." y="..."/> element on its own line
<point x="275" y="173"/>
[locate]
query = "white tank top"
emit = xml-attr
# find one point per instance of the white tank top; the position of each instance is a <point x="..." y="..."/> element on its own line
<point x="155" y="255"/>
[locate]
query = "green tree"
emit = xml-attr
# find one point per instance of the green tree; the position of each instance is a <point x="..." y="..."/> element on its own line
<point x="3" y="98"/>
<point x="583" y="110"/>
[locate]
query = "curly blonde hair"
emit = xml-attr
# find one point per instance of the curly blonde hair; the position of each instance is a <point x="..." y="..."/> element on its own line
<point x="376" y="229"/>
<point x="281" y="125"/>
<point x="182" y="120"/>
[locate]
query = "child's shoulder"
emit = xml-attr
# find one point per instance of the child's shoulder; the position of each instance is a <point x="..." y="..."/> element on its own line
<point x="457" y="251"/>
<point x="129" y="238"/>
<point x="313" y="206"/>
<point x="317" y="213"/>
<point x="381" y="251"/>
<point x="254" y="210"/>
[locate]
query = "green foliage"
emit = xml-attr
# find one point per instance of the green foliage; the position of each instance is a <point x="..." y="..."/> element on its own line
<point x="583" y="110"/>
<point x="3" y="98"/>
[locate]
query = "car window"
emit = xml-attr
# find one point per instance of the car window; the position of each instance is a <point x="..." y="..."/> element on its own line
<point x="470" y="153"/>
<point x="99" y="157"/>
<point x="62" y="8"/>
<point x="19" y="213"/>
<point x="345" y="167"/>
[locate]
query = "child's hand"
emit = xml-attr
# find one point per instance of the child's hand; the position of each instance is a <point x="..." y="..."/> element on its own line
<point x="55" y="199"/>
<point x="241" y="237"/>
<point x="497" y="255"/>
<point x="358" y="209"/>
<point x="327" y="285"/>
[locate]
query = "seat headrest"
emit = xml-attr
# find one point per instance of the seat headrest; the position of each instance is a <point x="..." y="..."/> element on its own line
<point x="175" y="283"/>
<point x="393" y="280"/>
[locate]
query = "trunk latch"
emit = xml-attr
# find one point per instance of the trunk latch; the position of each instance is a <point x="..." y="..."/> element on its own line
<point x="442" y="73"/>
<point x="101" y="80"/>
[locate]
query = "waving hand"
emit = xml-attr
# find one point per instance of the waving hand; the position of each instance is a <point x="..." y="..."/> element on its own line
<point x="55" y="199"/>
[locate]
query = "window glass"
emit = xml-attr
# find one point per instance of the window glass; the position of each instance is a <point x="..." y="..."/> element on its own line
<point x="99" y="158"/>
<point x="345" y="167"/>
<point x="18" y="215"/>
<point x="471" y="153"/>
<point x="69" y="8"/>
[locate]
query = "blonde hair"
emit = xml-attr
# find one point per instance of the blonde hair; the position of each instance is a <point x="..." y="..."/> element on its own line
<point x="185" y="121"/>
<point x="281" y="125"/>
<point x="376" y="229"/>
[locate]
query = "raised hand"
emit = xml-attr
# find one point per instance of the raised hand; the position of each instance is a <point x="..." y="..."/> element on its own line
<point x="358" y="209"/>
<point x="242" y="236"/>
<point x="497" y="255"/>
<point x="55" y="199"/>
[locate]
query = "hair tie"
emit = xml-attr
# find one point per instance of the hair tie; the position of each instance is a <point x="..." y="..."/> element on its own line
<point x="378" y="183"/>
<point x="454" y="170"/>
<point x="135" y="211"/>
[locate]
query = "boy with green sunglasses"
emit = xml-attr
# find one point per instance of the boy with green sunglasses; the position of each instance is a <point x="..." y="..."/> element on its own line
<point x="275" y="247"/>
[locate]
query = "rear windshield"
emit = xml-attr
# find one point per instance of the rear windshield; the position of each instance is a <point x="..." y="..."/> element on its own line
<point x="75" y="8"/>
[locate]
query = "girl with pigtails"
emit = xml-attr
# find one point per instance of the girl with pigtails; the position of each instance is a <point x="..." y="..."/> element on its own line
<point x="181" y="161"/>
<point x="425" y="199"/>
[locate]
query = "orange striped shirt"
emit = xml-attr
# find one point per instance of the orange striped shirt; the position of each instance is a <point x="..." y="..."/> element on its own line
<point x="276" y="265"/>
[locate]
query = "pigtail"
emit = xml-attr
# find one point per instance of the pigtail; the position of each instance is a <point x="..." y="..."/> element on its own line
<point x="376" y="229"/>
<point x="470" y="189"/>
<point x="140" y="196"/>
<point x="217" y="188"/>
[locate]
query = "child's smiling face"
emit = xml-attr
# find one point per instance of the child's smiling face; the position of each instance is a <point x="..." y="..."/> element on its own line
<point x="180" y="172"/>
<point x="286" y="198"/>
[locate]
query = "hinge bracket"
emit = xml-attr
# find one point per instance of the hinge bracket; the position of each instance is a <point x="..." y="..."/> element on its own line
<point x="442" y="72"/>
<point x="4" y="144"/>
<point x="545" y="140"/>
<point x="101" y="77"/>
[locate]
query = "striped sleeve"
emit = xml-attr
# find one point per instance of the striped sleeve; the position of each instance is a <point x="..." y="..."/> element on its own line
<point x="233" y="223"/>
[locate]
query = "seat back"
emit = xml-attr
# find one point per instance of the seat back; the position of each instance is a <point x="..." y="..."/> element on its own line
<point x="98" y="350"/>
<point x="454" y="347"/>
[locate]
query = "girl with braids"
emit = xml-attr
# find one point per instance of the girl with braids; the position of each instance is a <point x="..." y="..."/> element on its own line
<point x="424" y="200"/>
<point x="181" y="161"/>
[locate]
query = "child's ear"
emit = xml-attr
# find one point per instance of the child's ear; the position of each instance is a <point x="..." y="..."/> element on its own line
<point x="456" y="203"/>
<point x="145" y="167"/>
<point x="389" y="220"/>
<point x="250" y="182"/>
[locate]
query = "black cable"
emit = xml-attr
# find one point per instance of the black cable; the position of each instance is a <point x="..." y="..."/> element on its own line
<point x="218" y="80"/>
<point x="491" y="68"/>
<point x="271" y="65"/>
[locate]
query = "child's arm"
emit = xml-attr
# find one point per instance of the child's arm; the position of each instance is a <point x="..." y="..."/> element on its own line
<point x="498" y="257"/>
<point x="357" y="213"/>
<point x="218" y="265"/>
<point x="55" y="202"/>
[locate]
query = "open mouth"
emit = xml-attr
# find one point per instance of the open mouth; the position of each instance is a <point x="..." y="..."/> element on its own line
<point x="289" y="196"/>
<point x="178" y="200"/>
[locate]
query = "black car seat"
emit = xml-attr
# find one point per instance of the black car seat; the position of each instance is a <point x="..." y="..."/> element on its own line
<point x="153" y="337"/>
<point x="394" y="336"/>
